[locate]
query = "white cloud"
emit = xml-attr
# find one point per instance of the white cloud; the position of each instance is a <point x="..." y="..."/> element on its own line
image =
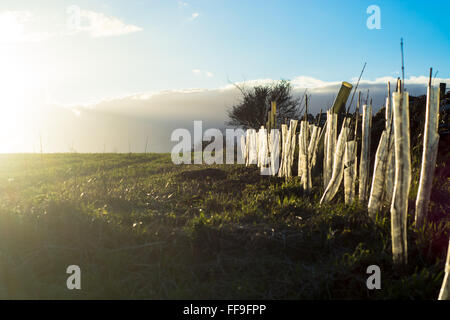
<point x="117" y="121"/>
<point x="222" y="95"/>
<point x="247" y="84"/>
<point x="199" y="72"/>
<point x="15" y="26"/>
<point x="194" y="16"/>
<point x="310" y="82"/>
<point x="182" y="4"/>
<point x="25" y="26"/>
<point x="97" y="24"/>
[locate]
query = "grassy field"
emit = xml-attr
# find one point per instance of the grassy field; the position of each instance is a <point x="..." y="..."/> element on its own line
<point x="140" y="227"/>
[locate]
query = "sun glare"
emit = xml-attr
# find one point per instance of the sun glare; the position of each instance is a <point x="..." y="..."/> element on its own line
<point x="20" y="85"/>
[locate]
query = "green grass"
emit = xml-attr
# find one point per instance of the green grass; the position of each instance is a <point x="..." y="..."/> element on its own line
<point x="140" y="227"/>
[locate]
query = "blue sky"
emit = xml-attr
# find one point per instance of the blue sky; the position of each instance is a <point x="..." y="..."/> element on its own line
<point x="125" y="52"/>
<point x="235" y="41"/>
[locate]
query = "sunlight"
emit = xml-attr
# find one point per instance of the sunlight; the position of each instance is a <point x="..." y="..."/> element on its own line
<point x="11" y="25"/>
<point x="20" y="85"/>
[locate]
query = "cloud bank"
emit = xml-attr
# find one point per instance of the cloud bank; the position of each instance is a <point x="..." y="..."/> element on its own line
<point x="123" y="124"/>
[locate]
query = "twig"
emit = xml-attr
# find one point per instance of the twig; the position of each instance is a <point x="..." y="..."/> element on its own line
<point x="356" y="88"/>
<point x="403" y="68"/>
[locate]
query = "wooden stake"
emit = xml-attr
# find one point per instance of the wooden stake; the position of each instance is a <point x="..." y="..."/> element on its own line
<point x="349" y="171"/>
<point x="429" y="154"/>
<point x="378" y="179"/>
<point x="399" y="207"/>
<point x="364" y="159"/>
<point x="390" y="165"/>
<point x="330" y="145"/>
<point x="444" y="293"/>
<point x="338" y="165"/>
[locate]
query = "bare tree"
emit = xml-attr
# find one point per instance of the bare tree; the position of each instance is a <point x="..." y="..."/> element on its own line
<point x="252" y="110"/>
